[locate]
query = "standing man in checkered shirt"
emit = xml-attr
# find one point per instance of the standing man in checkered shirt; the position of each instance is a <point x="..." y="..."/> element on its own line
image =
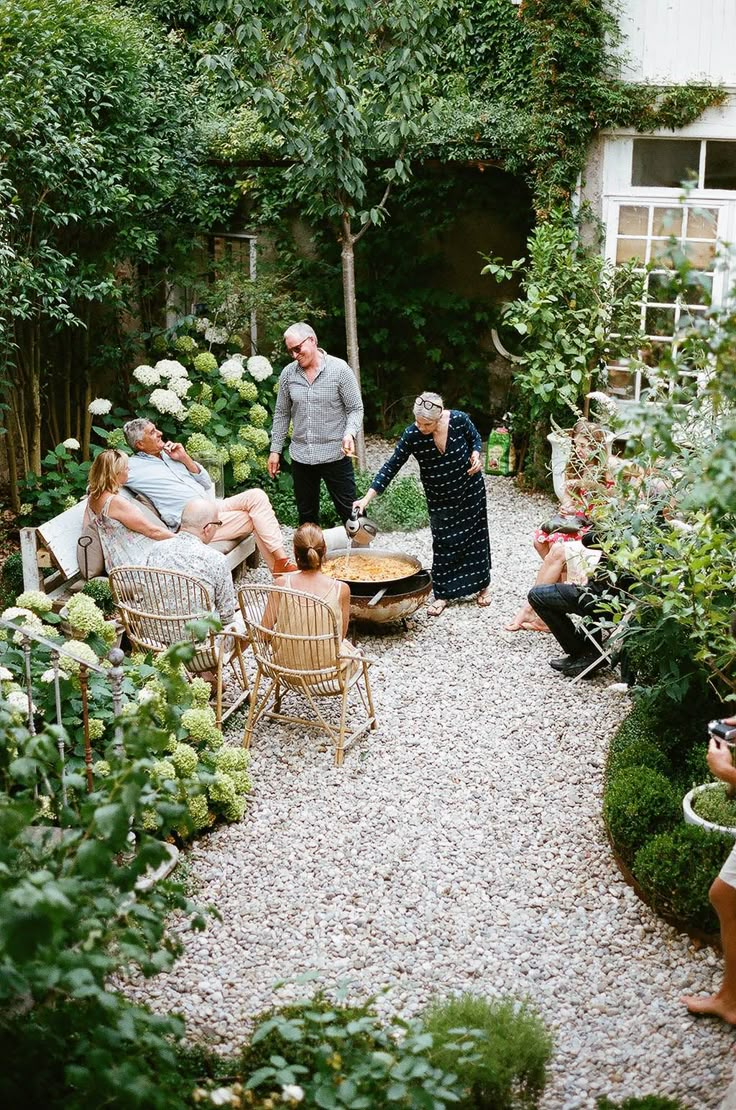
<point x="320" y="394"/>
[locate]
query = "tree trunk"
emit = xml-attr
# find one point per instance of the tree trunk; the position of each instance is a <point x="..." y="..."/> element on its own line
<point x="34" y="363"/>
<point x="10" y="448"/>
<point x="351" y="318"/>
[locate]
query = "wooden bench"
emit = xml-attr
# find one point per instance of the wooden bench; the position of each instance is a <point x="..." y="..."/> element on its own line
<point x="54" y="544"/>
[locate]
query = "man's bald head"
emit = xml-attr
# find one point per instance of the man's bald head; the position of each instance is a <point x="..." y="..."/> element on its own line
<point x="199" y="517"/>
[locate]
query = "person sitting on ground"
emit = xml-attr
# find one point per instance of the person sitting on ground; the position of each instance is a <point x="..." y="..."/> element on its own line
<point x="165" y="473"/>
<point x="127" y="535"/>
<point x="188" y="553"/>
<point x="587" y="478"/>
<point x="310" y="550"/>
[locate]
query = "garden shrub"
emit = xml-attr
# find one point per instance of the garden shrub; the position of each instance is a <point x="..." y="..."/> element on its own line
<point x="499" y="1047"/>
<point x="99" y="590"/>
<point x="635" y="752"/>
<point x="675" y="870"/>
<point x="639" y="803"/>
<point x="342" y="1055"/>
<point x="402" y="508"/>
<point x="11" y="579"/>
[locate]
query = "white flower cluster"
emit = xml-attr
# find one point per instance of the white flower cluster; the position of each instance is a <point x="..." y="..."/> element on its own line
<point x="180" y="386"/>
<point x="605" y="402"/>
<point x="201" y="324"/>
<point x="166" y="401"/>
<point x="71" y="444"/>
<point x="100" y="406"/>
<point x="231" y="370"/>
<point x="259" y="367"/>
<point x="5" y="675"/>
<point x="169" y="368"/>
<point x="214" y="334"/>
<point x="18" y="702"/>
<point x="147" y="375"/>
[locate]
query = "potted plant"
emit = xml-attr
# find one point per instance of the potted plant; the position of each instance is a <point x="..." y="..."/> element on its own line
<point x="712" y="807"/>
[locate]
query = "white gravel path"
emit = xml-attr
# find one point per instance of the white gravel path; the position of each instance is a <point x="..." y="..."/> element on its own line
<point x="459" y="848"/>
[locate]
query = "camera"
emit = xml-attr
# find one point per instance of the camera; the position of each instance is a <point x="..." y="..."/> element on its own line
<point x="722" y="731"/>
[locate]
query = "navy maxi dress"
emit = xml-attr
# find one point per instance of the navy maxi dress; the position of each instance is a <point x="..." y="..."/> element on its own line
<point x="456" y="501"/>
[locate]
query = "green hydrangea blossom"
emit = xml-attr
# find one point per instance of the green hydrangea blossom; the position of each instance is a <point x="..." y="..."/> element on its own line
<point x="232" y="759"/>
<point x="185" y="759"/>
<point x="241" y="781"/>
<point x="199" y="811"/>
<point x="164" y="666"/>
<point x="96" y="728"/>
<point x="199" y="416"/>
<point x="206" y="363"/>
<point x="163" y="769"/>
<point x="109" y="632"/>
<point x="234" y="811"/>
<point x="205" y="393"/>
<point x="45" y="807"/>
<point x="247" y="391"/>
<point x="116" y="439"/>
<point x="258" y="416"/>
<point x="254" y="437"/>
<point x="222" y="789"/>
<point x="200" y="724"/>
<point x="185" y="344"/>
<point x="149" y="820"/>
<point x="199" y="444"/>
<point x="241" y="472"/>
<point x="81" y="653"/>
<point x="160" y="344"/>
<point x="39" y="603"/>
<point x="101" y="769"/>
<point x="84" y="616"/>
<point x="201" y="692"/>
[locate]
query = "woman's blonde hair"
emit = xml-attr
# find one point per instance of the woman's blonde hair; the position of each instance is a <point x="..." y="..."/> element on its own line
<point x="309" y="547"/>
<point x="104" y="472"/>
<point x="595" y="467"/>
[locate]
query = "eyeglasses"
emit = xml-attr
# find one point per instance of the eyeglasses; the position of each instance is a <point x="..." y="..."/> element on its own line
<point x="428" y="406"/>
<point x="295" y="350"/>
<point x="213" y="524"/>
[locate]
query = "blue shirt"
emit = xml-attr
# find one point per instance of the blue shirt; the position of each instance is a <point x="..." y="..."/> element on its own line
<point x="167" y="483"/>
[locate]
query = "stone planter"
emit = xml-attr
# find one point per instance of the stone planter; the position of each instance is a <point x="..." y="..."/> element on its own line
<point x="561" y="449"/>
<point x="692" y="818"/>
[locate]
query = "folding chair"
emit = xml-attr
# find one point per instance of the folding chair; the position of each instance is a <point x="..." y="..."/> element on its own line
<point x="156" y="605"/>
<point x="606" y="648"/>
<point x="298" y="649"/>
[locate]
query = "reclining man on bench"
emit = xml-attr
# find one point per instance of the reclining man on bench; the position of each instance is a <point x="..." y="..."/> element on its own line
<point x="166" y="474"/>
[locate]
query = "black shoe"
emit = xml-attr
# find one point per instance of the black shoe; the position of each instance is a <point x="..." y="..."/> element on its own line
<point x="581" y="663"/>
<point x="562" y="662"/>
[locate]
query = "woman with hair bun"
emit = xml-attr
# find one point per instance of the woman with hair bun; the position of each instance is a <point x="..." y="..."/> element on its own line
<point x="310" y="549"/>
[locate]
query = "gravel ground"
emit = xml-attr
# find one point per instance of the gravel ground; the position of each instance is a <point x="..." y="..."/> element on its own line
<point x="459" y="848"/>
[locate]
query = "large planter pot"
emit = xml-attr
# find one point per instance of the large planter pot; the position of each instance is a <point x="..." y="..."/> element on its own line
<point x="692" y="818"/>
<point x="561" y="449"/>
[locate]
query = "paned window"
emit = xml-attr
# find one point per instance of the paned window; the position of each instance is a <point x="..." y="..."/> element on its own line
<point x="667" y="163"/>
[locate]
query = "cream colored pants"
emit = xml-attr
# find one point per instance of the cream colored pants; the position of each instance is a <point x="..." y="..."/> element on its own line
<point x="251" y="512"/>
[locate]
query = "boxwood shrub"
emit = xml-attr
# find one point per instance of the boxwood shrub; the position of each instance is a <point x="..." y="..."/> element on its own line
<point x="639" y="803"/>
<point x="675" y="870"/>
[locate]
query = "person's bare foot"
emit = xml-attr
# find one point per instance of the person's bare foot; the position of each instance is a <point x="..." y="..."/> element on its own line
<point x="484" y="598"/>
<point x="713" y="1005"/>
<point x="526" y="620"/>
<point x="438" y="606"/>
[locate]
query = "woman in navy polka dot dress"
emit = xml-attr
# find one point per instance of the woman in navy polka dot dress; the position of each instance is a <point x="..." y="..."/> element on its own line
<point x="447" y="447"/>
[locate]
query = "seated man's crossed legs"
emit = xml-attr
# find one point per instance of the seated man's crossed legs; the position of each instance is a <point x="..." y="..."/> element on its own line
<point x="555" y="604"/>
<point x="251" y="511"/>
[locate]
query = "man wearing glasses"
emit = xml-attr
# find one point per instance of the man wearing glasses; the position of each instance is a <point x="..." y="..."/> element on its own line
<point x="188" y="553"/>
<point x="320" y="394"/>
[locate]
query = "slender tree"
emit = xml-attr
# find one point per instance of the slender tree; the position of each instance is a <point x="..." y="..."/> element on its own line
<point x="345" y="87"/>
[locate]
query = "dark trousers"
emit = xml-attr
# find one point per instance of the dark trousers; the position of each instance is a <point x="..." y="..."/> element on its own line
<point x="555" y="604"/>
<point x="339" y="478"/>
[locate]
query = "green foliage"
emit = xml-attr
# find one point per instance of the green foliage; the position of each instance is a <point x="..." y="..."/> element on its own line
<point x="715" y="805"/>
<point x="402" y="508"/>
<point x="577" y="311"/>
<point x="675" y="870"/>
<point x="60" y="485"/>
<point x="639" y="803"/>
<point x="99" y="590"/>
<point x="636" y="753"/>
<point x="499" y="1048"/>
<point x="69" y="921"/>
<point x="342" y="1055"/>
<point x="11" y="578"/>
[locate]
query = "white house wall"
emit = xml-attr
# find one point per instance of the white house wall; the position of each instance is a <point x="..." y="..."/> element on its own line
<point x="675" y="41"/>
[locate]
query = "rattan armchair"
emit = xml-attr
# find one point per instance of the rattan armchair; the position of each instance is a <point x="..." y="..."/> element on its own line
<point x="155" y="606"/>
<point x="298" y="649"/>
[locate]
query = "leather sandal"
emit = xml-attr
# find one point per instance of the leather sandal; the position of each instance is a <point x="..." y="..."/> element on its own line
<point x="438" y="606"/>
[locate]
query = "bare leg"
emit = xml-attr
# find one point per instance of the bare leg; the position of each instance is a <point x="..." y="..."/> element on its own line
<point x="552" y="570"/>
<point x="723" y="1003"/>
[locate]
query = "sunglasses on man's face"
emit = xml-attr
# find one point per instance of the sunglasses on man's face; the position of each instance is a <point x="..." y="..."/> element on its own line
<point x="294" y="351"/>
